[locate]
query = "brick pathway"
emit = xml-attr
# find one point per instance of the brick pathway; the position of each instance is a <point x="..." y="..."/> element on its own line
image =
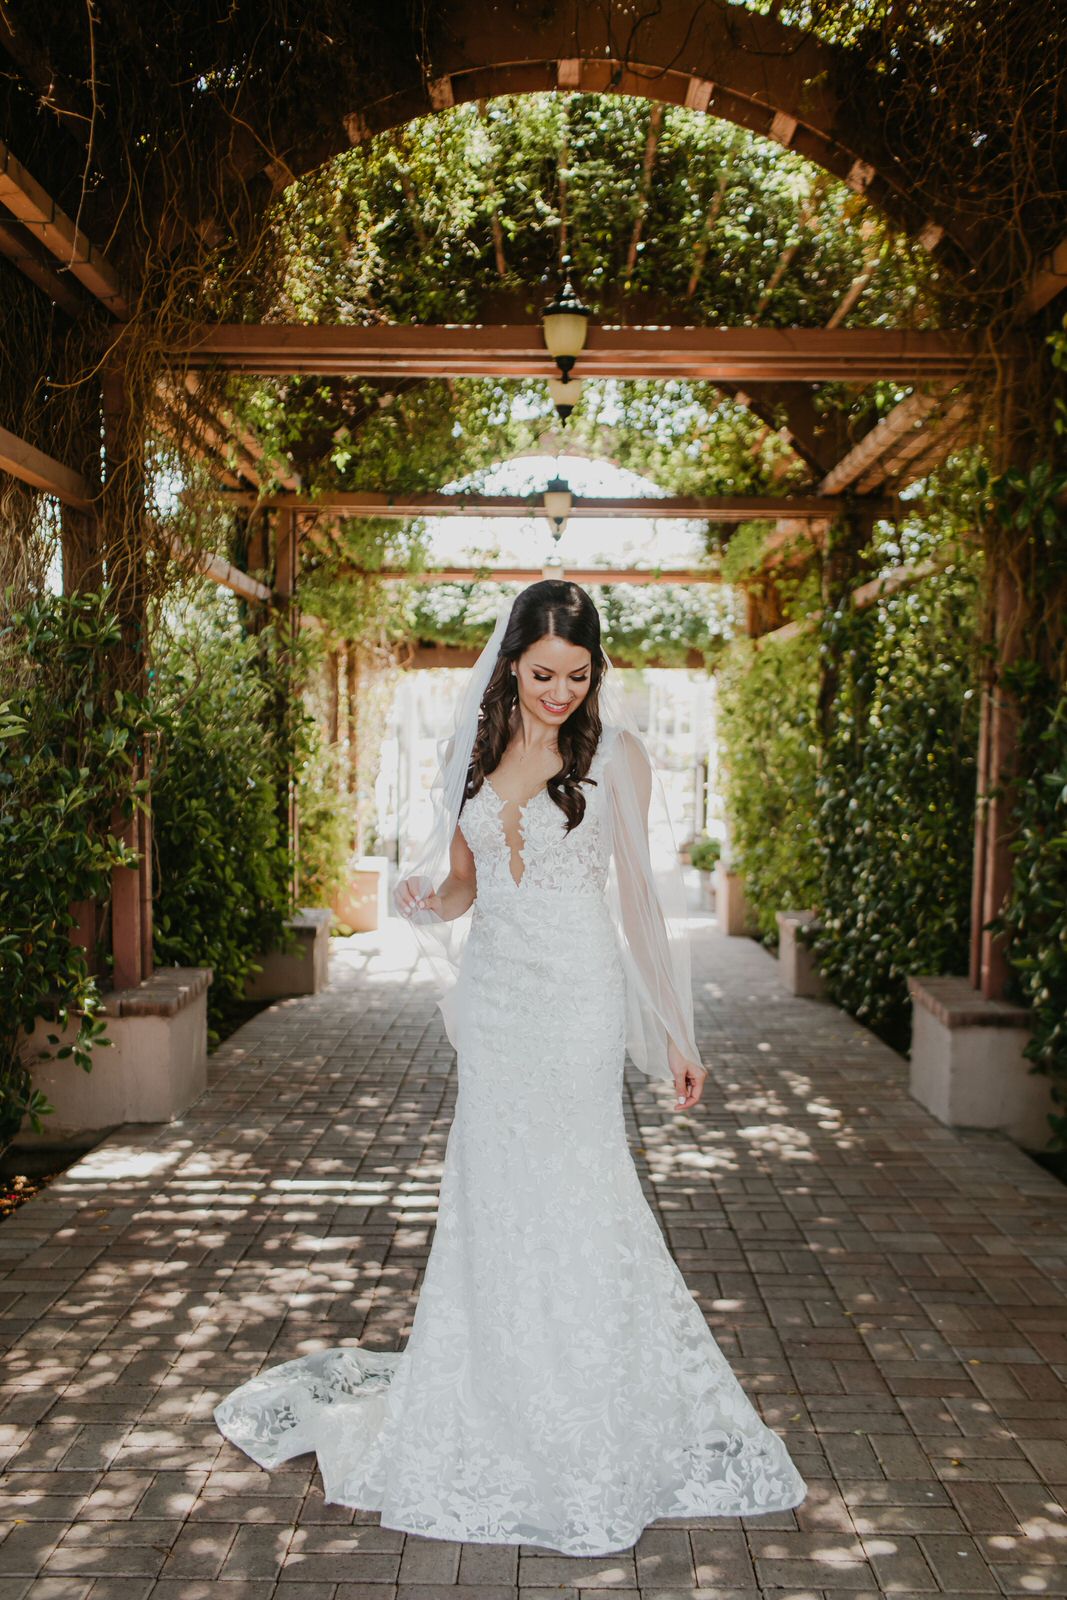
<point x="890" y="1293"/>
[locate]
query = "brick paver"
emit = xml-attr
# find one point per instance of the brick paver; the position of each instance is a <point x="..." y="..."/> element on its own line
<point x="890" y="1292"/>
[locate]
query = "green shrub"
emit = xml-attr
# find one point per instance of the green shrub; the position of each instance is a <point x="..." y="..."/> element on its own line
<point x="68" y="746"/>
<point x="896" y="795"/>
<point x="767" y="728"/>
<point x="222" y="876"/>
<point x="705" y="853"/>
<point x="1035" y="918"/>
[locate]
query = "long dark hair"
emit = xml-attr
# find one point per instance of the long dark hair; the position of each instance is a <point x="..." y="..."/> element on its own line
<point x="565" y="610"/>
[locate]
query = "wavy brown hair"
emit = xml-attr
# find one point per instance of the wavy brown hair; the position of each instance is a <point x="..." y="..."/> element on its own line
<point x="565" y="610"/>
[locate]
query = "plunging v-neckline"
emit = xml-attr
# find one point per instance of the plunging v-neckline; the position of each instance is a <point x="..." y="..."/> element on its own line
<point x="523" y="807"/>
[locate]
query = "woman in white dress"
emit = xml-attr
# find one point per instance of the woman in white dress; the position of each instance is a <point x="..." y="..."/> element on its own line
<point x="560" y="1386"/>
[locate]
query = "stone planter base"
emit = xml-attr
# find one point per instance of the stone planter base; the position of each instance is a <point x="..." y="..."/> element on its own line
<point x="307" y="970"/>
<point x="967" y="1062"/>
<point x="731" y="907"/>
<point x="363" y="903"/>
<point x="153" y="1070"/>
<point x="796" y="963"/>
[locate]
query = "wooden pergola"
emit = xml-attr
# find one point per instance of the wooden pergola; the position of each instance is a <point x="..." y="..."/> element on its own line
<point x="749" y="69"/>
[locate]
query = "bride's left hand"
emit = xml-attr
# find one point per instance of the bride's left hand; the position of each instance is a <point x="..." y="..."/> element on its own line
<point x="689" y="1082"/>
<point x="689" y="1077"/>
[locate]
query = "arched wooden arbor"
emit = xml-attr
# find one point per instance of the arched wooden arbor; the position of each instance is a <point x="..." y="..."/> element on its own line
<point x="719" y="60"/>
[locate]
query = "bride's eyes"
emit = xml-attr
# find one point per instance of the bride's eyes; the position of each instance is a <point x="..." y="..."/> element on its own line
<point x="547" y="678"/>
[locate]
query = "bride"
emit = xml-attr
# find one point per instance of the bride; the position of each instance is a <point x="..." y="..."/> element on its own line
<point x="560" y="1386"/>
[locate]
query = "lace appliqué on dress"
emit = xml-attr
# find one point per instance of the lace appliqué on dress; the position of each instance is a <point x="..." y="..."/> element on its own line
<point x="560" y="1385"/>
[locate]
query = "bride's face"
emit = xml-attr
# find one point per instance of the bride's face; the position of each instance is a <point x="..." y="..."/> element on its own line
<point x="553" y="678"/>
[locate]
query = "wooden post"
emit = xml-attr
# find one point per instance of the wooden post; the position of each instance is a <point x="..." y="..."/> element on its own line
<point x="333" y="695"/>
<point x="843" y="569"/>
<point x="352" y="691"/>
<point x="123" y="524"/>
<point x="83" y="570"/>
<point x="998" y="774"/>
<point x="286" y="561"/>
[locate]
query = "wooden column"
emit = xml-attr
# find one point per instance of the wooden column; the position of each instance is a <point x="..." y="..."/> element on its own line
<point x="997" y="777"/>
<point x="123" y="525"/>
<point x="333" y="695"/>
<point x="843" y="570"/>
<point x="83" y="571"/>
<point x="286" y="561"/>
<point x="352" y="692"/>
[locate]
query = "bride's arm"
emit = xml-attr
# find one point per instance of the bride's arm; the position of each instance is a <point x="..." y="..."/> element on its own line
<point x="455" y="896"/>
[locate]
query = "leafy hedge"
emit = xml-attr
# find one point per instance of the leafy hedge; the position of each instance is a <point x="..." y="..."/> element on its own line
<point x="868" y="820"/>
<point x="1035" y="918"/>
<point x="68" y="744"/>
<point x="768" y="734"/>
<point x="222" y="871"/>
<point x="895" y="799"/>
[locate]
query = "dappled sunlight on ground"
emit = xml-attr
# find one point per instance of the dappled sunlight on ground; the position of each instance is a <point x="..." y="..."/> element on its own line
<point x="888" y="1292"/>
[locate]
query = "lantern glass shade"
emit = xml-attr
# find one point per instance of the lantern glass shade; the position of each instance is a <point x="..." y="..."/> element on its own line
<point x="565" y="393"/>
<point x="565" y="323"/>
<point x="565" y="334"/>
<point x="558" y="501"/>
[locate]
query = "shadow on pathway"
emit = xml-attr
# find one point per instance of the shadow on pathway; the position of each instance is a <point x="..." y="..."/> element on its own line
<point x="891" y="1293"/>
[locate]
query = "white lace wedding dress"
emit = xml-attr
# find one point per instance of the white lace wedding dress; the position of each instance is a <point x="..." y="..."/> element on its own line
<point x="560" y="1386"/>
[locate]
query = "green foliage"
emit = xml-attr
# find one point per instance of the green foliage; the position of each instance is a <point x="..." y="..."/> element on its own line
<point x="68" y="746"/>
<point x="1035" y="918"/>
<point x="895" y="798"/>
<point x="1029" y="508"/>
<point x="767" y="728"/>
<point x="863" y="812"/>
<point x="327" y="823"/>
<point x="430" y="222"/>
<point x="641" y="623"/>
<point x="705" y="853"/>
<point x="459" y="217"/>
<point x="222" y="863"/>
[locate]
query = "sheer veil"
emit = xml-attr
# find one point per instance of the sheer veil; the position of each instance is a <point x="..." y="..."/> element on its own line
<point x="646" y="890"/>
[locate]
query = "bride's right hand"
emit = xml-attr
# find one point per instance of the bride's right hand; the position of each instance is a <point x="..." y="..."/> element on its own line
<point x="417" y="894"/>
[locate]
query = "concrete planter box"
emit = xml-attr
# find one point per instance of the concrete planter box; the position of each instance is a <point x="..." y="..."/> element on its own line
<point x="153" y="1070"/>
<point x="796" y="963"/>
<point x="363" y="903"/>
<point x="731" y="907"/>
<point x="707" y="887"/>
<point x="967" y="1062"/>
<point x="306" y="970"/>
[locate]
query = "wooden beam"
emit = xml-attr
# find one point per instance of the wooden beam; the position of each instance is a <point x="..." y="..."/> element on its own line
<point x="794" y="355"/>
<point x="30" y="465"/>
<point x="655" y="123"/>
<point x="910" y="414"/>
<point x="918" y="453"/>
<point x="867" y="594"/>
<point x="1049" y="280"/>
<point x="634" y="575"/>
<point x="221" y="572"/>
<point x="721" y="508"/>
<point x="902" y="577"/>
<point x="854" y="292"/>
<point x="24" y="197"/>
<point x="423" y="656"/>
<point x="35" y="263"/>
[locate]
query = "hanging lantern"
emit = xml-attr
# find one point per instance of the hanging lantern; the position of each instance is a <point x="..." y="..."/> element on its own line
<point x="558" y="501"/>
<point x="565" y="322"/>
<point x="565" y="394"/>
